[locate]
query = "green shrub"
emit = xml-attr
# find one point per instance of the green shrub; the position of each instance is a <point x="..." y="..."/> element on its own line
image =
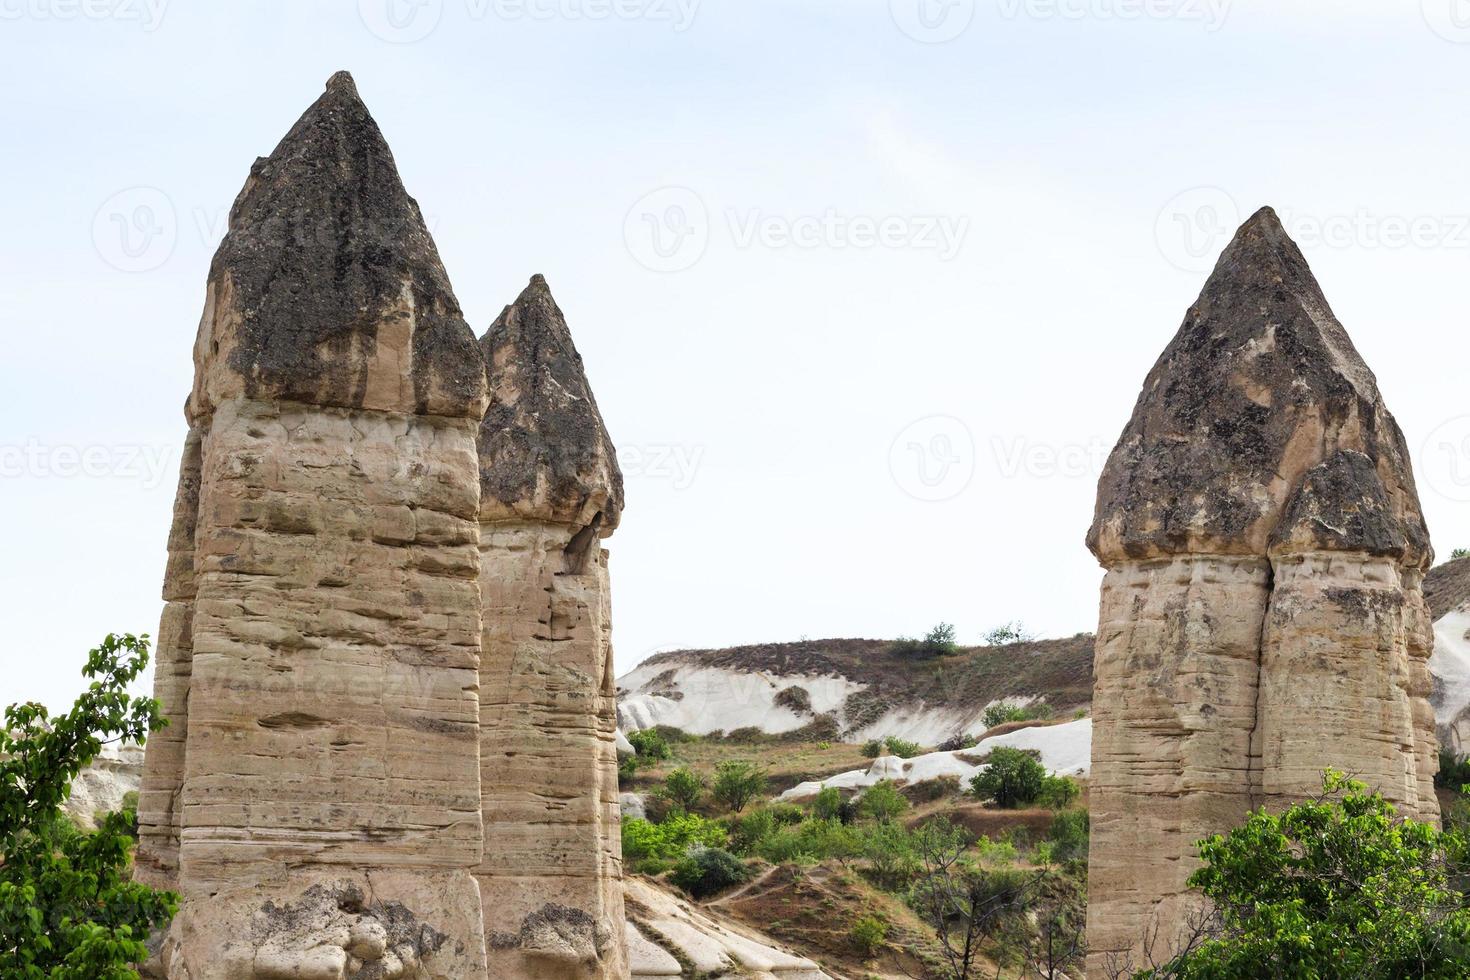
<point x="707" y="871"/>
<point x="684" y="787"/>
<point x="1454" y="769"/>
<point x="668" y="841"/>
<point x="68" y="905"/>
<point x="809" y="842"/>
<point x="890" y="850"/>
<point x="873" y="748"/>
<point x="737" y="783"/>
<point x="868" y="935"/>
<point x="1012" y="778"/>
<point x="958" y="743"/>
<point x="1339" y="886"/>
<point x="828" y="804"/>
<point x="902" y="748"/>
<point x="882" y="802"/>
<point x="749" y="829"/>
<point x="1008" y="633"/>
<point x="1058" y="792"/>
<point x="1007" y="711"/>
<point x="1070" y="833"/>
<point x="650" y="745"/>
<point x="938" y="642"/>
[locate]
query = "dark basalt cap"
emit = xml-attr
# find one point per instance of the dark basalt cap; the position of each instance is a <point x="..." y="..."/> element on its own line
<point x="544" y="451"/>
<point x="1340" y="506"/>
<point x="327" y="288"/>
<point x="1260" y="385"/>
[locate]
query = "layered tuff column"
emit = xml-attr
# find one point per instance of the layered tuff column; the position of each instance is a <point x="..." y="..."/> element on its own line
<point x="550" y="491"/>
<point x="1173" y="708"/>
<point x="1262" y="617"/>
<point x="329" y="814"/>
<point x="157" y="858"/>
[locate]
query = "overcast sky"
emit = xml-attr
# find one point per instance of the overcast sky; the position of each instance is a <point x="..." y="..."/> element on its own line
<point x="866" y="289"/>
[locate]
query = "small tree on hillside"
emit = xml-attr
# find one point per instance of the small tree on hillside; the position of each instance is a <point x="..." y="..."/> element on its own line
<point x="68" y="910"/>
<point x="1011" y="777"/>
<point x="737" y="783"/>
<point x="684" y="787"/>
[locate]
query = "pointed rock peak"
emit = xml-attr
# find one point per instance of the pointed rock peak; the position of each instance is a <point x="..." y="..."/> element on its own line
<point x="327" y="288"/>
<point x="1259" y="385"/>
<point x="544" y="451"/>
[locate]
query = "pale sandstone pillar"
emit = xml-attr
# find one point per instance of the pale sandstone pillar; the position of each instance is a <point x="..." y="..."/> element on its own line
<point x="550" y="491"/>
<point x="157" y="858"/>
<point x="1261" y="615"/>
<point x="329" y="812"/>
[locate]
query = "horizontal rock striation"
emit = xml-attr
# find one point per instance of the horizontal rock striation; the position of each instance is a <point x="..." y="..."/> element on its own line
<point x="1262" y="614"/>
<point x="320" y="648"/>
<point x="550" y="491"/>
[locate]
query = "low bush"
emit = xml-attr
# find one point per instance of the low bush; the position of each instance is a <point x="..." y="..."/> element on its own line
<point x="707" y="871"/>
<point x="1058" y="792"/>
<point x="828" y="804"/>
<point x="868" y="935"/>
<point x="873" y="748"/>
<point x="684" y="787"/>
<point x="882" y="802"/>
<point x="1007" y="711"/>
<point x="737" y="783"/>
<point x="958" y="743"/>
<point x="1011" y="778"/>
<point x="670" y="840"/>
<point x="1070" y="834"/>
<point x="809" y="842"/>
<point x="902" y="748"/>
<point x="938" y="642"/>
<point x="650" y="746"/>
<point x="1454" y="770"/>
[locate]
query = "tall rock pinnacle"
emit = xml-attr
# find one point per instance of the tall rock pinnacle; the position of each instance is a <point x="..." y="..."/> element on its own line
<point x="328" y="288"/>
<point x="319" y="656"/>
<point x="1262" y="617"/>
<point x="550" y="490"/>
<point x="544" y="451"/>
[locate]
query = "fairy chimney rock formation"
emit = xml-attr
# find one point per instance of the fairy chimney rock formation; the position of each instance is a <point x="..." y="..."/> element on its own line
<point x="317" y="798"/>
<point x="550" y="490"/>
<point x="1262" y="616"/>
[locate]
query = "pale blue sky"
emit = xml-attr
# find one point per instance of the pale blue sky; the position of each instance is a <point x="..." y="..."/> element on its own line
<point x="1032" y="178"/>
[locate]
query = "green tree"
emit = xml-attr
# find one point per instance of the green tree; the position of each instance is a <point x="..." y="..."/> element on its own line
<point x="68" y="910"/>
<point x="650" y="745"/>
<point x="737" y="783"/>
<point x="706" y="871"/>
<point x="882" y="802"/>
<point x="828" y="804"/>
<point x="684" y="787"/>
<point x="1011" y="777"/>
<point x="1338" y="886"/>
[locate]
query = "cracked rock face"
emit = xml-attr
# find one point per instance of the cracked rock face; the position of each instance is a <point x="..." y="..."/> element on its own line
<point x="319" y="652"/>
<point x="552" y="881"/>
<point x="1262" y="615"/>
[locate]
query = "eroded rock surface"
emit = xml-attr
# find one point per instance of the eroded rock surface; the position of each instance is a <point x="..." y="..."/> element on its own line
<point x="320" y="649"/>
<point x="1262" y="615"/>
<point x="550" y="491"/>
